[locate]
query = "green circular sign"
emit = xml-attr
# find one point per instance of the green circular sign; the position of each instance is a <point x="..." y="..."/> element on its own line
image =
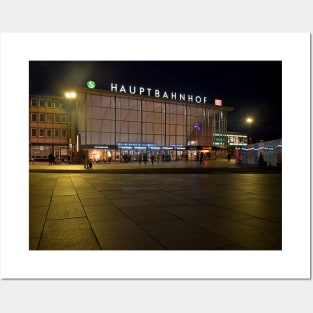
<point x="91" y="84"/>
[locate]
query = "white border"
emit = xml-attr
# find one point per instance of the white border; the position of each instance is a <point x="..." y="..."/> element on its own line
<point x="292" y="262"/>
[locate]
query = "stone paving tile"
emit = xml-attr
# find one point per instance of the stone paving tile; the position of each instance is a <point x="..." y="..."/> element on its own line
<point x="124" y="235"/>
<point x="103" y="213"/>
<point x="147" y="214"/>
<point x="188" y="213"/>
<point x="39" y="198"/>
<point x="37" y="217"/>
<point x="127" y="203"/>
<point x="82" y="239"/>
<point x="64" y="191"/>
<point x="117" y="195"/>
<point x="68" y="234"/>
<point x="180" y="235"/>
<point x="162" y="199"/>
<point x="33" y="243"/>
<point x="266" y="209"/>
<point x="241" y="234"/>
<point x="59" y="210"/>
<point x="65" y="198"/>
<point x="262" y="225"/>
<point x="91" y="194"/>
<point x="95" y="201"/>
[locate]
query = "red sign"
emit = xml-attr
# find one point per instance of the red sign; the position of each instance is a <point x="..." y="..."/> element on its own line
<point x="218" y="102"/>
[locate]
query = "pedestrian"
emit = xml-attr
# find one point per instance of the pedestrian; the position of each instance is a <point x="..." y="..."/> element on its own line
<point x="152" y="158"/>
<point x="145" y="158"/>
<point x="186" y="157"/>
<point x="158" y="158"/>
<point x="228" y="157"/>
<point x="201" y="158"/>
<point x="51" y="159"/>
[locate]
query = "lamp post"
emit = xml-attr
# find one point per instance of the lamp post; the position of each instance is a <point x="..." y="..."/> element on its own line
<point x="249" y="120"/>
<point x="71" y="95"/>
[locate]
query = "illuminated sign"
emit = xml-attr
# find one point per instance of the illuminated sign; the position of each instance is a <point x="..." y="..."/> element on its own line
<point x="196" y="127"/>
<point x="157" y="93"/>
<point x="101" y="147"/>
<point x="91" y="84"/>
<point x="218" y="102"/>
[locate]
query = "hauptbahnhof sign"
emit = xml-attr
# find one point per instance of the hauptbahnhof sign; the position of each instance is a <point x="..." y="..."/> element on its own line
<point x="157" y="93"/>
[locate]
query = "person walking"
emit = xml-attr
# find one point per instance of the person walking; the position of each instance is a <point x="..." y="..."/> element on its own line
<point x="186" y="157"/>
<point x="152" y="158"/>
<point x="145" y="158"/>
<point x="201" y="158"/>
<point x="51" y="159"/>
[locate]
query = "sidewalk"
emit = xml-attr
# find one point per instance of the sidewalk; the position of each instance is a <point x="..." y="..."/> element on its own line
<point x="172" y="167"/>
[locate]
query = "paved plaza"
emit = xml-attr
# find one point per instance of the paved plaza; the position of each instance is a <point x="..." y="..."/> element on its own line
<point x="121" y="207"/>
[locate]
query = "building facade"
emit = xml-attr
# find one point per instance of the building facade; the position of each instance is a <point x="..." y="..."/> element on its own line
<point x="49" y="127"/>
<point x="109" y="125"/>
<point x="265" y="153"/>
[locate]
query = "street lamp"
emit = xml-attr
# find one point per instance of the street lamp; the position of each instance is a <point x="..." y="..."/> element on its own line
<point x="249" y="120"/>
<point x="71" y="95"/>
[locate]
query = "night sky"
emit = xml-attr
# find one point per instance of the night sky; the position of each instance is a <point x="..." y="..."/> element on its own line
<point x="252" y="88"/>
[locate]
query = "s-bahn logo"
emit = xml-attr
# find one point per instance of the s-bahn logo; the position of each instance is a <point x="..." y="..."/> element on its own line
<point x="157" y="93"/>
<point x="91" y="84"/>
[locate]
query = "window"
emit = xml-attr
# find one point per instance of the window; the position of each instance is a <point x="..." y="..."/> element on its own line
<point x="64" y="118"/>
<point x="49" y="103"/>
<point x="63" y="133"/>
<point x="34" y="117"/>
<point x="57" y="118"/>
<point x="34" y="132"/>
<point x="41" y="117"/>
<point x="56" y="104"/>
<point x="41" y="132"/>
<point x="49" y="118"/>
<point x="42" y="102"/>
<point x="49" y="132"/>
<point x="56" y="133"/>
<point x="34" y="102"/>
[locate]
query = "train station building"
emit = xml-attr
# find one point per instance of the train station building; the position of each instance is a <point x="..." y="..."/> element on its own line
<point x="126" y="122"/>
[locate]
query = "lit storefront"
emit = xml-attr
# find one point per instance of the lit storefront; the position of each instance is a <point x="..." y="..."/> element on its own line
<point x="266" y="153"/>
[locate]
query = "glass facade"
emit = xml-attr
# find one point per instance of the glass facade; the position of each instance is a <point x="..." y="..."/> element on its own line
<point x="121" y="120"/>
